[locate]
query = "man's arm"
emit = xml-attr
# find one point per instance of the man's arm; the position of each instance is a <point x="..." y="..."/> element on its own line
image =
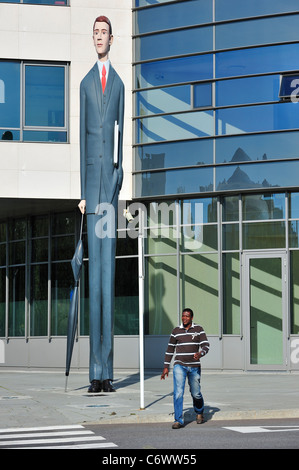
<point x="168" y="355"/>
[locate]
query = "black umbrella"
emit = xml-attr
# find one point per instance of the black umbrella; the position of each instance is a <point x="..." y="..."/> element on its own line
<point x="76" y="263"/>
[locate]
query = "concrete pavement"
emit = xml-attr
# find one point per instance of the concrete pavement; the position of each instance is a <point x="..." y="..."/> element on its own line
<point x="31" y="398"/>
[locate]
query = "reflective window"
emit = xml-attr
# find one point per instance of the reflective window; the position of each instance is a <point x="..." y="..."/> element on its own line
<point x="253" y="32"/>
<point x="9" y="97"/>
<point x="141" y="3"/>
<point x="257" y="147"/>
<point x="165" y="155"/>
<point x="263" y="206"/>
<point x="247" y="90"/>
<point x="203" y="210"/>
<point x="231" y="294"/>
<point x="173" y="16"/>
<point x="164" y="100"/>
<point x="294" y="206"/>
<point x="171" y="71"/>
<point x="174" y="182"/>
<point x="175" y="127"/>
<point x="258" y="176"/>
<point x="43" y="97"/>
<point x="202" y="95"/>
<point x="257" y="118"/>
<point x="38" y="2"/>
<point x="263" y="235"/>
<point x="257" y="60"/>
<point x="231" y="9"/>
<point x="174" y="43"/>
<point x="294" y="292"/>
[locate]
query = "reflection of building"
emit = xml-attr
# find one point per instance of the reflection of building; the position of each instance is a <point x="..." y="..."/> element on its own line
<point x="215" y="133"/>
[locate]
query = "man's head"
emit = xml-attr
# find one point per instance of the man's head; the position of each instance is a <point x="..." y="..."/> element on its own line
<point x="187" y="317"/>
<point x="102" y="36"/>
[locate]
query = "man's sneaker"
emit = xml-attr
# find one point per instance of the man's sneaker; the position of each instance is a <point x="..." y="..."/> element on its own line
<point x="177" y="425"/>
<point x="200" y="419"/>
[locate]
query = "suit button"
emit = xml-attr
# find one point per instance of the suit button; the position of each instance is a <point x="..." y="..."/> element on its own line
<point x="100" y="156"/>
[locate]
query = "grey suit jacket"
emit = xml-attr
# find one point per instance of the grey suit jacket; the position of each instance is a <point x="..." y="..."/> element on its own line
<point x="100" y="179"/>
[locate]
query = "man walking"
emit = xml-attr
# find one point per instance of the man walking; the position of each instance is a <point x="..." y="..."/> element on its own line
<point x="190" y="343"/>
<point x="101" y="111"/>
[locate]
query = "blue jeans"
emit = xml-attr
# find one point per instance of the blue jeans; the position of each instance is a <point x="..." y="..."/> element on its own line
<point x="180" y="373"/>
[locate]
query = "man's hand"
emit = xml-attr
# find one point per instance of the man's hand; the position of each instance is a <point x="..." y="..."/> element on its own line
<point x="197" y="355"/>
<point x="164" y="373"/>
<point x="82" y="206"/>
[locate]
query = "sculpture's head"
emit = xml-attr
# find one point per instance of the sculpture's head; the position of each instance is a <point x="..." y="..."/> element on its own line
<point x="102" y="36"/>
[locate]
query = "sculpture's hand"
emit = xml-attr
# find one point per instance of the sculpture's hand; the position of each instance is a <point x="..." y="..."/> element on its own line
<point x="82" y="206"/>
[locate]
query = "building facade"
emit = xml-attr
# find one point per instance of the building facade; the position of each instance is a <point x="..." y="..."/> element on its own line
<point x="211" y="177"/>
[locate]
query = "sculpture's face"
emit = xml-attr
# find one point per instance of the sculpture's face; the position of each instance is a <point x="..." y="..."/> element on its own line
<point x="102" y="39"/>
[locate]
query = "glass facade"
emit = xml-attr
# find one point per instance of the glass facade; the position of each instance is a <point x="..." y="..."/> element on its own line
<point x="216" y="125"/>
<point x="37" y="278"/>
<point x="39" y="2"/>
<point x="33" y="101"/>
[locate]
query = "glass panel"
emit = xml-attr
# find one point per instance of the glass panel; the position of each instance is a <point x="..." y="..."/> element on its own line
<point x="173" y="16"/>
<point x="231" y="294"/>
<point x="267" y="175"/>
<point x="230" y="236"/>
<point x="257" y="60"/>
<point x="294" y="234"/>
<point x="62" y="283"/>
<point x="9" y="135"/>
<point x="40" y="226"/>
<point x="257" y="118"/>
<point x="174" y="182"/>
<point x="199" y="238"/>
<point x="2" y="300"/>
<point x="165" y="100"/>
<point x="262" y="235"/>
<point x="39" y="250"/>
<point x="160" y="45"/>
<point x="44" y="96"/>
<point x="203" y="210"/>
<point x="247" y="90"/>
<point x="263" y="206"/>
<point x="63" y="224"/>
<point x="266" y="311"/>
<point x="163" y="155"/>
<point x="162" y="213"/>
<point x="261" y="31"/>
<point x="16" y="314"/>
<point x="9" y="96"/>
<point x="294" y="206"/>
<point x="202" y="95"/>
<point x="257" y="147"/>
<point x="162" y="240"/>
<point x="141" y="3"/>
<point x="3" y="232"/>
<point x="171" y="71"/>
<point x="63" y="248"/>
<point x="231" y="9"/>
<point x="161" y="309"/>
<point x="199" y="289"/>
<point x="17" y="253"/>
<point x="230" y="208"/>
<point x="175" y="127"/>
<point x="294" y="292"/>
<point x="39" y="300"/>
<point x="126" y="320"/>
<point x="17" y="229"/>
<point x="44" y="136"/>
<point x="3" y="254"/>
<point x="46" y="2"/>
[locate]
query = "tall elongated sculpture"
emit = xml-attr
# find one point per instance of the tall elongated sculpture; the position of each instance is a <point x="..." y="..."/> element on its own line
<point x="101" y="137"/>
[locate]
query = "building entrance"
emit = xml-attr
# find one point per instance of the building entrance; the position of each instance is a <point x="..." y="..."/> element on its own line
<point x="265" y="309"/>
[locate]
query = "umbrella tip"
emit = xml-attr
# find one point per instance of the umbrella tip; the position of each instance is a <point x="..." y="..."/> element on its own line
<point x="65" y="388"/>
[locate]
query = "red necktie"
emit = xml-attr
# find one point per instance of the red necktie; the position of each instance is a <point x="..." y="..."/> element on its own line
<point x="103" y="78"/>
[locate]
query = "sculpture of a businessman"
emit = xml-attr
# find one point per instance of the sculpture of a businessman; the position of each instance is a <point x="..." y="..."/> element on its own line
<point x="101" y="105"/>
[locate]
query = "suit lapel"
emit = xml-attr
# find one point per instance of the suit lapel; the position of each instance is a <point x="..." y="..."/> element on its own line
<point x="98" y="88"/>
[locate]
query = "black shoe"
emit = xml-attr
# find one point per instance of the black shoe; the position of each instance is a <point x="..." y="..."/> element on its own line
<point x="107" y="386"/>
<point x="95" y="386"/>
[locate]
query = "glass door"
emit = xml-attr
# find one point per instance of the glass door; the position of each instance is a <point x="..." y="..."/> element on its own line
<point x="265" y="310"/>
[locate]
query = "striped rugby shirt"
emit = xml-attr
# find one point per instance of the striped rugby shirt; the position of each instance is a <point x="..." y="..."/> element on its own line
<point x="185" y="343"/>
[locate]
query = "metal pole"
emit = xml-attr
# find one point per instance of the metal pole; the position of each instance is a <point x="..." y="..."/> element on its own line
<point x="141" y="311"/>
